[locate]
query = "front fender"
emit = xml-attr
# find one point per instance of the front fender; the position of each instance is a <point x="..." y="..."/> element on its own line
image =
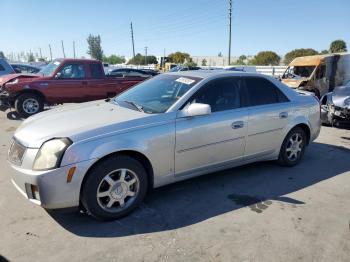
<point x="100" y="148"/>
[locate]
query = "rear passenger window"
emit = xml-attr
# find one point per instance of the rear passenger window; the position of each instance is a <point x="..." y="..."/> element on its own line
<point x="260" y="91"/>
<point x="222" y="94"/>
<point x="96" y="71"/>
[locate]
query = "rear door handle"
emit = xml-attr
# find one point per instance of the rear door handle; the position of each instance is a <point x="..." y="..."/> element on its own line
<point x="283" y="115"/>
<point x="237" y="124"/>
<point x="84" y="82"/>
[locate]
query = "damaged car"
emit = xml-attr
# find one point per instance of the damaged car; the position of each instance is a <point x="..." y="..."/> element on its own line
<point x="335" y="106"/>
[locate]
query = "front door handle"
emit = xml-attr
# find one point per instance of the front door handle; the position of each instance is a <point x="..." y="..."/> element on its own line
<point x="283" y="115"/>
<point x="237" y="124"/>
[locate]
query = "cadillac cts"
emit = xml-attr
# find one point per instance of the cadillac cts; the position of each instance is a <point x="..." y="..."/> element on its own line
<point x="103" y="156"/>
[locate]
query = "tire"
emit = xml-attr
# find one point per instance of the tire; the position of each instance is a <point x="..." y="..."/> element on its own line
<point x="105" y="185"/>
<point x="292" y="153"/>
<point x="27" y="105"/>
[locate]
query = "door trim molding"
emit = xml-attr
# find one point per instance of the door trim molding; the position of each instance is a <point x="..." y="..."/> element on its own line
<point x="210" y="144"/>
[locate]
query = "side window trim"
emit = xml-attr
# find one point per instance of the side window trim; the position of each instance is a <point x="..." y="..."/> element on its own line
<point x="73" y="78"/>
<point x="247" y="100"/>
<point x="210" y="82"/>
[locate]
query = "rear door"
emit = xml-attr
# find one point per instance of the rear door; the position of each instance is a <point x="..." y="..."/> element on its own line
<point x="218" y="138"/>
<point x="69" y="84"/>
<point x="269" y="110"/>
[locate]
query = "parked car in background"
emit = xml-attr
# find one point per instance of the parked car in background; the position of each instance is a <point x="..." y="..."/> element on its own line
<point x="130" y="72"/>
<point x="150" y="71"/>
<point x="5" y="68"/>
<point x="184" y="68"/>
<point x="25" y="69"/>
<point x="335" y="106"/>
<point x="319" y="74"/>
<point x="61" y="81"/>
<point x="249" y="69"/>
<point x="106" y="155"/>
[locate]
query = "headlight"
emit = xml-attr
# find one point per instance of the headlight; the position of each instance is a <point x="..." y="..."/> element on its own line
<point x="50" y="153"/>
<point x="14" y="81"/>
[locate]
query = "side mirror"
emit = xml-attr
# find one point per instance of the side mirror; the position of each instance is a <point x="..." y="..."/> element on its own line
<point x="196" y="109"/>
<point x="58" y="75"/>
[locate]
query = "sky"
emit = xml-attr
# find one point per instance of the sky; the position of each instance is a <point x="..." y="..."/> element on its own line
<point x="199" y="27"/>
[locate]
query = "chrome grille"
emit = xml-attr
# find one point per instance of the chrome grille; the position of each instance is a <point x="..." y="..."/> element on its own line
<point x="16" y="153"/>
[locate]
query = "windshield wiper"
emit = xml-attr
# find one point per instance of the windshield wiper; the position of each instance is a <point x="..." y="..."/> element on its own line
<point x="139" y="108"/>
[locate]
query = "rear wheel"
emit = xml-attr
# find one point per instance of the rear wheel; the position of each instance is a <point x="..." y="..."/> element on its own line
<point x="114" y="188"/>
<point x="293" y="147"/>
<point x="29" y="104"/>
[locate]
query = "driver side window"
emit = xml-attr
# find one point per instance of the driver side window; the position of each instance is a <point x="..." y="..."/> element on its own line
<point x="72" y="71"/>
<point x="221" y="94"/>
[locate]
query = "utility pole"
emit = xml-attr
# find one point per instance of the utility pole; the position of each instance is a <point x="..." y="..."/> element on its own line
<point x="74" y="49"/>
<point x="146" y="55"/>
<point x="230" y="23"/>
<point x="163" y="64"/>
<point x="50" y="52"/>
<point x="132" y="40"/>
<point x="64" y="54"/>
<point x="41" y="56"/>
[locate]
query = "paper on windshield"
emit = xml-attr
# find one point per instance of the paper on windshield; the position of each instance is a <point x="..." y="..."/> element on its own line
<point x="185" y="80"/>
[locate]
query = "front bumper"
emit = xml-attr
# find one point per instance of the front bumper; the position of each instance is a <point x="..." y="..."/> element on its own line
<point x="4" y="98"/>
<point x="54" y="191"/>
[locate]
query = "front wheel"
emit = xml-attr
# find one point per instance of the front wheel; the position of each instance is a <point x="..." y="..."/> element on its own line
<point x="293" y="147"/>
<point x="114" y="187"/>
<point x="29" y="104"/>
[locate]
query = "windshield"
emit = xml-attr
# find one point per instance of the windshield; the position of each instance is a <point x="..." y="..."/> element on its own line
<point x="50" y="68"/>
<point x="158" y="94"/>
<point x="296" y="72"/>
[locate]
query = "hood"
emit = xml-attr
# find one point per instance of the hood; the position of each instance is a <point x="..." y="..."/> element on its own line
<point x="21" y="77"/>
<point x="341" y="96"/>
<point x="77" y="122"/>
<point x="294" y="83"/>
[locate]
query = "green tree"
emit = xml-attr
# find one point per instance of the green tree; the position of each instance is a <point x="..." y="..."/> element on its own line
<point x="338" y="46"/>
<point x="219" y="54"/>
<point x="297" y="53"/>
<point x="324" y="52"/>
<point x="179" y="57"/>
<point x="190" y="63"/>
<point x="266" y="58"/>
<point x="241" y="60"/>
<point x="204" y="62"/>
<point x="2" y="55"/>
<point x="94" y="47"/>
<point x="142" y="60"/>
<point x="114" y="59"/>
<point x="31" y="58"/>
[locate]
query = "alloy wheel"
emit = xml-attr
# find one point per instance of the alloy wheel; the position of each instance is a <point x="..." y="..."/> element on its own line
<point x="294" y="146"/>
<point x="118" y="190"/>
<point x="30" y="106"/>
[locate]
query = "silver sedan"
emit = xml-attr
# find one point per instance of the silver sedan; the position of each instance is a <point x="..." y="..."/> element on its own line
<point x="105" y="155"/>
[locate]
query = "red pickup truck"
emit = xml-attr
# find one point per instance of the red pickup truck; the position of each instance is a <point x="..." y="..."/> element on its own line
<point x="61" y="81"/>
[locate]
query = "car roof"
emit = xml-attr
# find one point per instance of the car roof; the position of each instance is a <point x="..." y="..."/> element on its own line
<point x="213" y="73"/>
<point x="82" y="60"/>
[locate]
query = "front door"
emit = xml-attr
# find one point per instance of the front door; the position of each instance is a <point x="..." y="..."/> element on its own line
<point x="69" y="84"/>
<point x="215" y="139"/>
